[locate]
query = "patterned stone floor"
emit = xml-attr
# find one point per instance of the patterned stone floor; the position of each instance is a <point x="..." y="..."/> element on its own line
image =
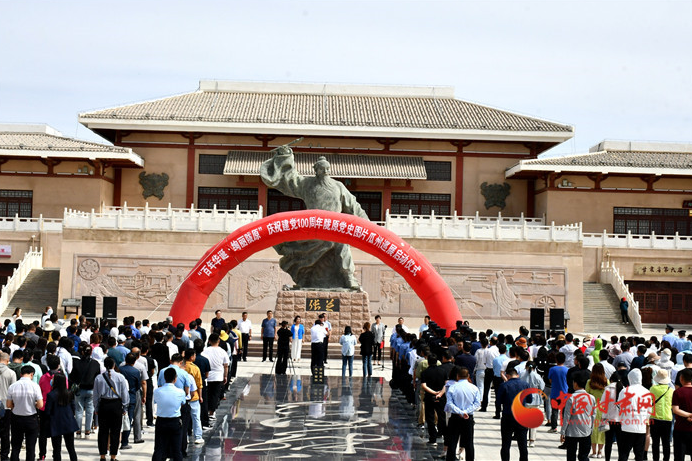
<point x="268" y="417"/>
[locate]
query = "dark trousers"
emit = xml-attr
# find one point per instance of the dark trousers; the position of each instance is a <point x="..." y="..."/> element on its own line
<point x="682" y="443"/>
<point x="186" y="420"/>
<point x="214" y="394"/>
<point x="282" y="359"/>
<point x="246" y="339"/>
<point x="267" y="348"/>
<point x="24" y="427"/>
<point x="582" y="445"/>
<point x="150" y="403"/>
<point x="497" y="382"/>
<point x="509" y="430"/>
<point x="611" y="435"/>
<point x="204" y="406"/>
<point x="460" y="430"/>
<point x="316" y="355"/>
<point x="660" y="437"/>
<point x="43" y="433"/>
<point x="377" y="355"/>
<point x="487" y="381"/>
<point x="167" y="439"/>
<point x="625" y="317"/>
<point x="5" y="424"/>
<point x="326" y="349"/>
<point x="629" y="441"/>
<point x="110" y="414"/>
<point x="432" y="407"/>
<point x="555" y="415"/>
<point x="69" y="444"/>
<point x="235" y="358"/>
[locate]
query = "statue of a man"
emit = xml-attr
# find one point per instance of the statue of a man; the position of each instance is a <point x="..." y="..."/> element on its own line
<point x="313" y="263"/>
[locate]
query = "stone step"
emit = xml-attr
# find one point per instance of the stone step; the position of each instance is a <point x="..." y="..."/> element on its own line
<point x="40" y="289"/>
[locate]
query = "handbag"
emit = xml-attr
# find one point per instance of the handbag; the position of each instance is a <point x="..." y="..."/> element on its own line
<point x="126" y="422"/>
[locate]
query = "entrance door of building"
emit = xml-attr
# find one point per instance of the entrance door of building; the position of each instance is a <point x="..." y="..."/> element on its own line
<point x="663" y="302"/>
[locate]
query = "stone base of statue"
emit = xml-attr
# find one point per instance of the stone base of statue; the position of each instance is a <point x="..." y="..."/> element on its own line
<point x="343" y="308"/>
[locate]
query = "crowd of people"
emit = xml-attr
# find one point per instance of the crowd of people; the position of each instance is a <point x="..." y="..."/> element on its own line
<point x="62" y="380"/>
<point x="630" y="391"/>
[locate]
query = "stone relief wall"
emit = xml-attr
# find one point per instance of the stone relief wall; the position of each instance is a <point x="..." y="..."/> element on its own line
<point x="483" y="291"/>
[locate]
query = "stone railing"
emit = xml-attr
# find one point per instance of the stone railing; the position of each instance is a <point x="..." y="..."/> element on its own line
<point x="161" y="219"/>
<point x="659" y="242"/>
<point x="33" y="259"/>
<point x="481" y="228"/>
<point x="30" y="224"/>
<point x="611" y="275"/>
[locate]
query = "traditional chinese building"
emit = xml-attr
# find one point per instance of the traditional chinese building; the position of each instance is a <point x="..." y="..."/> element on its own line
<point x="461" y="182"/>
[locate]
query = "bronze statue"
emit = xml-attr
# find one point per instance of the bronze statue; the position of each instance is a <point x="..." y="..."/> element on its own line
<point x="313" y="263"/>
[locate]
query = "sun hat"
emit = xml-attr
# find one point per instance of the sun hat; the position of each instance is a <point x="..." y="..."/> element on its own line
<point x="521" y="342"/>
<point x="49" y="326"/>
<point x="661" y="377"/>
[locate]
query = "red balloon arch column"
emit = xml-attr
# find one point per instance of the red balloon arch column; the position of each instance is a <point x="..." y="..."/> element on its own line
<point x="315" y="225"/>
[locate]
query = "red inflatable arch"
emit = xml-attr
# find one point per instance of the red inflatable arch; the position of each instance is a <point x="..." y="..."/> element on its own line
<point x="315" y="225"/>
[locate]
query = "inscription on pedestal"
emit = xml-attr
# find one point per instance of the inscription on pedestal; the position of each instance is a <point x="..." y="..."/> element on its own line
<point x="322" y="304"/>
<point x="347" y="309"/>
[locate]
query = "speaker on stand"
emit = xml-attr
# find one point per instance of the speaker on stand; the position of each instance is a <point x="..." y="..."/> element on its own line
<point x="537" y="323"/>
<point x="110" y="307"/>
<point x="89" y="307"/>
<point x="557" y="320"/>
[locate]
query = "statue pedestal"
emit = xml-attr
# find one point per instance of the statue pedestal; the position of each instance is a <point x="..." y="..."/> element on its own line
<point x="342" y="308"/>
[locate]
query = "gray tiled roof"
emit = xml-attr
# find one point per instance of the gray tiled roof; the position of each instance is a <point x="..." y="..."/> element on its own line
<point x="625" y="159"/>
<point x="20" y="141"/>
<point x="342" y="166"/>
<point x="336" y="110"/>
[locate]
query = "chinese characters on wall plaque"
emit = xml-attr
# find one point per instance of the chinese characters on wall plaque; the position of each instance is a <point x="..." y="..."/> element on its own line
<point x="322" y="304"/>
<point x="666" y="270"/>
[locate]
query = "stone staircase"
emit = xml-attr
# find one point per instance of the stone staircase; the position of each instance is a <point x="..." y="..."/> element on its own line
<point x="40" y="289"/>
<point x="602" y="311"/>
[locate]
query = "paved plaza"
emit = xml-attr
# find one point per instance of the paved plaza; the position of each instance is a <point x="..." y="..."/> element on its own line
<point x="268" y="417"/>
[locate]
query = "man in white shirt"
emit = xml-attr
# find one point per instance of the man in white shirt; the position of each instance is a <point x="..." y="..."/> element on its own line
<point x="245" y="327"/>
<point x="328" y="328"/>
<point x="145" y="328"/>
<point x="425" y="326"/>
<point x="490" y="354"/>
<point x="568" y="349"/>
<point x="24" y="398"/>
<point x="634" y="416"/>
<point x="400" y="321"/>
<point x="378" y="331"/>
<point x="317" y="336"/>
<point x="218" y="373"/>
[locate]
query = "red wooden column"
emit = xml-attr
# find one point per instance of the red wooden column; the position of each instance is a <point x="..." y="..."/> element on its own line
<point x="190" y="187"/>
<point x="386" y="197"/>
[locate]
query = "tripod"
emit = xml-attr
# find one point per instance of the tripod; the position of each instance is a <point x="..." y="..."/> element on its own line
<point x="290" y="364"/>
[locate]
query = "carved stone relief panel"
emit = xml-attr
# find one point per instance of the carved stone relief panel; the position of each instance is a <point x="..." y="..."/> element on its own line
<point x="481" y="291"/>
<point x="139" y="282"/>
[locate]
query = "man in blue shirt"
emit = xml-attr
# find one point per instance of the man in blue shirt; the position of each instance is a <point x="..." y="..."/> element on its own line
<point x="168" y="436"/>
<point x="558" y="387"/>
<point x="185" y="382"/>
<point x="509" y="427"/>
<point x="268" y="335"/>
<point x="133" y="378"/>
<point x="669" y="336"/>
<point x="497" y="375"/>
<point x="463" y="398"/>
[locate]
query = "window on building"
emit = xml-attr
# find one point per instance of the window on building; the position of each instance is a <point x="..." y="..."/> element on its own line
<point x="16" y="202"/>
<point x="278" y="202"/>
<point x="371" y="202"/>
<point x="211" y="164"/>
<point x="422" y="204"/>
<point x="226" y="198"/>
<point x="644" y="221"/>
<point x="438" y="171"/>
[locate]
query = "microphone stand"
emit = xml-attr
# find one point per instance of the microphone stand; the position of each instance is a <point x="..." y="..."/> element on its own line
<point x="384" y="334"/>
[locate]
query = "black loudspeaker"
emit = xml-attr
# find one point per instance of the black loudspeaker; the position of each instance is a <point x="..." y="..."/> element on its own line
<point x="110" y="307"/>
<point x="557" y="319"/>
<point x="537" y="319"/>
<point x="89" y="307"/>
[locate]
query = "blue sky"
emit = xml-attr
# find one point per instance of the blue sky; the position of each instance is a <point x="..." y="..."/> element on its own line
<point x="613" y="69"/>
